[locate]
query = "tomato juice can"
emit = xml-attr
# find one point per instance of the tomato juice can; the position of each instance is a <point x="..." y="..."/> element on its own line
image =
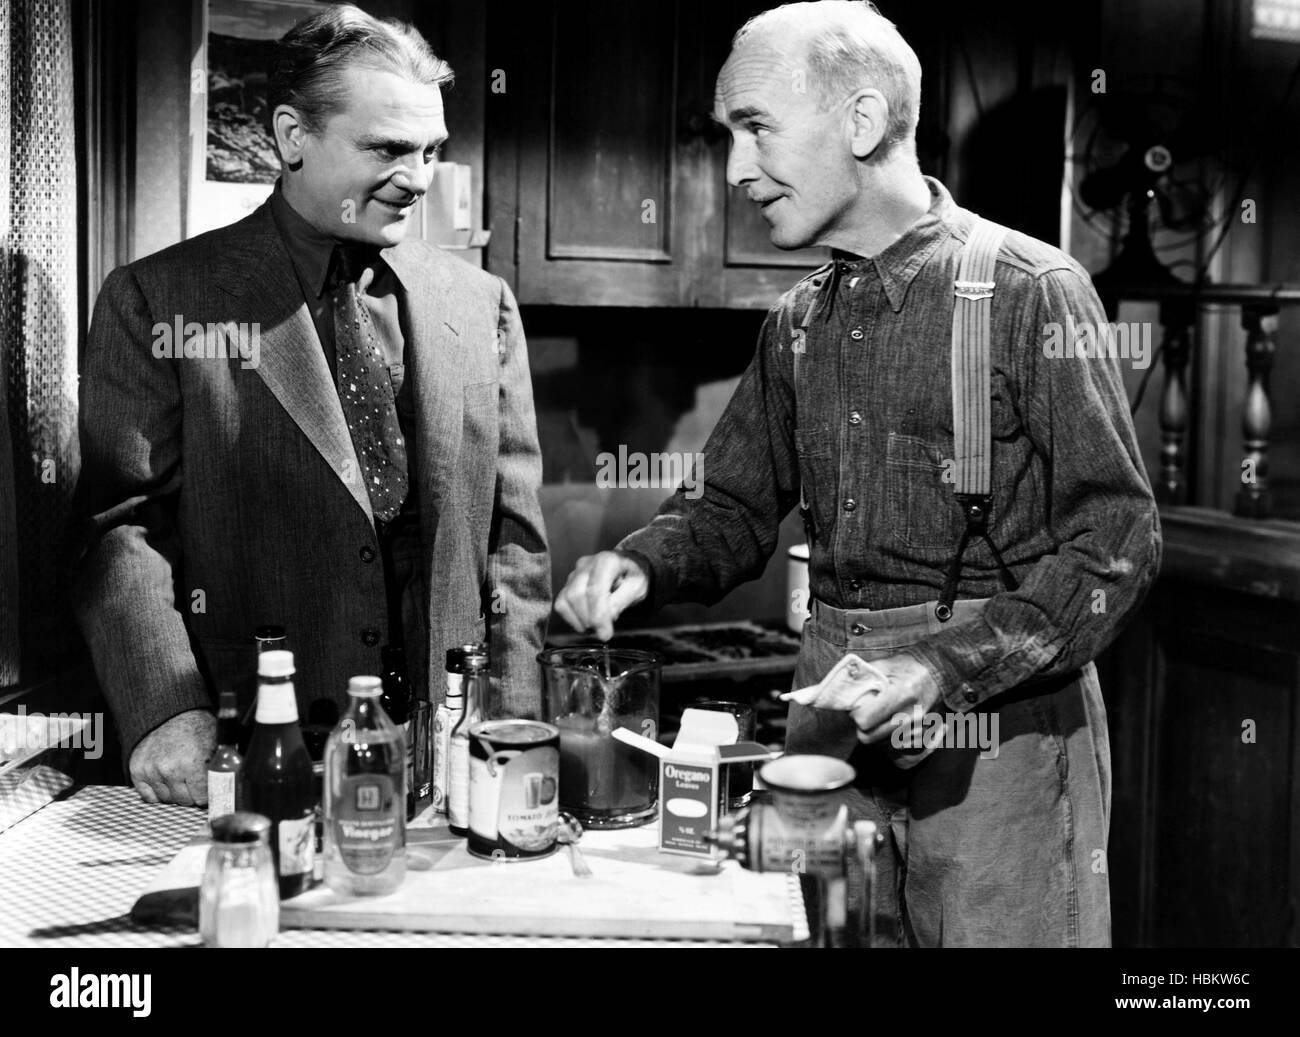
<point x="514" y="784"/>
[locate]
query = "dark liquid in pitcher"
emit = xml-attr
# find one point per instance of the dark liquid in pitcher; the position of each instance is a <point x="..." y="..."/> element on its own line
<point x="599" y="775"/>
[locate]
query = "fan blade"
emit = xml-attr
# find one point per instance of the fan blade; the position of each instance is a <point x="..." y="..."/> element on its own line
<point x="1107" y="187"/>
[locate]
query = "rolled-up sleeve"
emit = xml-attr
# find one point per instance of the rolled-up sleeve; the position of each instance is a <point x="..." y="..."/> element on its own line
<point x="1100" y="512"/>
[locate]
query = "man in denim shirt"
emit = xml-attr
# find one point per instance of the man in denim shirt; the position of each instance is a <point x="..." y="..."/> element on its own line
<point x="986" y="845"/>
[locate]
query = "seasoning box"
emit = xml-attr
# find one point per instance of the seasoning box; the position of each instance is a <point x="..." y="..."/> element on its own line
<point x="692" y="785"/>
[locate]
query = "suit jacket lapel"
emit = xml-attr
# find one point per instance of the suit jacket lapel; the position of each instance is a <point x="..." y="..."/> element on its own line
<point x="259" y="275"/>
<point x="435" y="352"/>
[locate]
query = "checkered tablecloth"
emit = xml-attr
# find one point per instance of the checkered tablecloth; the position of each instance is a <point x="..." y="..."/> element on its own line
<point x="70" y="873"/>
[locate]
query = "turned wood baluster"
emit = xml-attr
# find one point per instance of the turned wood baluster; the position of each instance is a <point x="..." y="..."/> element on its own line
<point x="1254" y="499"/>
<point x="1176" y="321"/>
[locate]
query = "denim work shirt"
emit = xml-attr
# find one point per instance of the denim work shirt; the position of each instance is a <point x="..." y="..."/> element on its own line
<point x="868" y="432"/>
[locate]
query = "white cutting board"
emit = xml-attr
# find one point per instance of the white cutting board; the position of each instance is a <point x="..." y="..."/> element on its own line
<point x="635" y="892"/>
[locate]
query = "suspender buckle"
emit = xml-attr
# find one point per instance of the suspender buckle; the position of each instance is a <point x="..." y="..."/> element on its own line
<point x="975" y="507"/>
<point x="974" y="290"/>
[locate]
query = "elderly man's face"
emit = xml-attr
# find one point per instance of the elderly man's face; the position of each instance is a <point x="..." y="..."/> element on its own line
<point x="367" y="166"/>
<point x="791" y="156"/>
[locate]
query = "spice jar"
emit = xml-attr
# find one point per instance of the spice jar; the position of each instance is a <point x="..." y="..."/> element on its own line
<point x="239" y="900"/>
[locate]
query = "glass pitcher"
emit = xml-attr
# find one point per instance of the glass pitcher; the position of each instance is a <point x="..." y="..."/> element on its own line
<point x="591" y="690"/>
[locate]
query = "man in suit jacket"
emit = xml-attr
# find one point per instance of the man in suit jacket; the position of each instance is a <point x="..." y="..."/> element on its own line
<point x="304" y="419"/>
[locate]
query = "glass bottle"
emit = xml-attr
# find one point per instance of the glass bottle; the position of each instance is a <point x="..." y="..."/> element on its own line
<point x="223" y="767"/>
<point x="475" y="664"/>
<point x="399" y="704"/>
<point x="365" y="797"/>
<point x="277" y="774"/>
<point x="269" y="638"/>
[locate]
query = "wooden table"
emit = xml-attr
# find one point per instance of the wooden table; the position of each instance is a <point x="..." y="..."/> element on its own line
<point x="73" y="869"/>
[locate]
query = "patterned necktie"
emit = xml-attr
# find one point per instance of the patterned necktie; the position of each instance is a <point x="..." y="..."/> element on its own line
<point x="366" y="392"/>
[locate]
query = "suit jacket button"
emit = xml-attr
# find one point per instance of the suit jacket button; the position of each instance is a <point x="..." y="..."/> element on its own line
<point x="367" y="553"/>
<point x="370" y="637"/>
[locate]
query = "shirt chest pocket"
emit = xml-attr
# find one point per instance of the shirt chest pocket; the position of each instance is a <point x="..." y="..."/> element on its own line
<point x="921" y="507"/>
<point x="818" y="474"/>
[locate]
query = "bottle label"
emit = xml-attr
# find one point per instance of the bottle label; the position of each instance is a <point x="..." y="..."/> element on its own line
<point x="221" y="793"/>
<point x="458" y="783"/>
<point x="297" y="839"/>
<point x="276" y="703"/>
<point x="367" y="830"/>
<point x="443" y="722"/>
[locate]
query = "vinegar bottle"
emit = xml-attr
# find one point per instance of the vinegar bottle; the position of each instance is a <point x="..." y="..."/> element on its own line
<point x="365" y="797"/>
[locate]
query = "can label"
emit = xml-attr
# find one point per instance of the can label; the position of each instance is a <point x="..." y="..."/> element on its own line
<point x="366" y="830"/>
<point x="514" y="780"/>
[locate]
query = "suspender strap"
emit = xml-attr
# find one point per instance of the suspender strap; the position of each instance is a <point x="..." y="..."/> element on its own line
<point x="971" y="386"/>
<point x="798" y="345"/>
<point x="971" y="400"/>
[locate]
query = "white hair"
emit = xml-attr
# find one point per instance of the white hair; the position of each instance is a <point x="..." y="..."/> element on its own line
<point x="851" y="45"/>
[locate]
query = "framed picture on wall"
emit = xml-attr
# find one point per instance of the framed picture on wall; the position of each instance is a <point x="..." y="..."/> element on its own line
<point x="233" y="163"/>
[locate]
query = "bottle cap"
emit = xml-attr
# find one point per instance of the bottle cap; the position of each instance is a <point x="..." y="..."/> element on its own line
<point x="366" y="686"/>
<point x="275" y="664"/>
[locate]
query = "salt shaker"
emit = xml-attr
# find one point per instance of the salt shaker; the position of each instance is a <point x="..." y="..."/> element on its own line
<point x="239" y="900"/>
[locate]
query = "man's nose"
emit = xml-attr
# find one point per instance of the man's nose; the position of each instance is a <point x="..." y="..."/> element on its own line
<point x="741" y="168"/>
<point x="414" y="176"/>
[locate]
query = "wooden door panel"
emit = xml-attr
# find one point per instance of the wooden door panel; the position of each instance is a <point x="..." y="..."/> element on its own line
<point x="599" y="184"/>
<point x="610" y="156"/>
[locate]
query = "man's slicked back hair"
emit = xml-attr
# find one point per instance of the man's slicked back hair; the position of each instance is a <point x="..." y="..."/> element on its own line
<point x="308" y="62"/>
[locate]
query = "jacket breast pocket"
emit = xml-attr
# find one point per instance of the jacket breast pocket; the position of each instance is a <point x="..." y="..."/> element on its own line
<point x="817" y="471"/>
<point x="920" y="507"/>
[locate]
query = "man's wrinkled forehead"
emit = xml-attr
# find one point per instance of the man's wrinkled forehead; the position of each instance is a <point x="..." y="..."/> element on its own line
<point x="758" y="74"/>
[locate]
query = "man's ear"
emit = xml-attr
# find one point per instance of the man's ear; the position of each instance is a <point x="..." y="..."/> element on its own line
<point x="290" y="133"/>
<point x="868" y="115"/>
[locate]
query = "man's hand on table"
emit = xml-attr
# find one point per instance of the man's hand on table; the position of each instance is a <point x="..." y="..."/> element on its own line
<point x="874" y="693"/>
<point x="600" y="588"/>
<point x="170" y="763"/>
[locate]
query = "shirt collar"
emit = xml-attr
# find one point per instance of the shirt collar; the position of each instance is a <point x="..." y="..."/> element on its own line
<point x="898" y="265"/>
<point x="312" y="251"/>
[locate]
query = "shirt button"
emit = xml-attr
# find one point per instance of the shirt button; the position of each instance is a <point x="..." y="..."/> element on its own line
<point x="367" y="553"/>
<point x="970" y="696"/>
<point x="369" y="637"/>
<point x="856" y="334"/>
<point x="858" y="629"/>
<point x="850" y="504"/>
<point x="855" y="418"/>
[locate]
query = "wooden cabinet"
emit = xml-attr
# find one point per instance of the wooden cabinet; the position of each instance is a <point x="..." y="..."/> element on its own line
<point x="606" y="176"/>
<point x="1203" y="697"/>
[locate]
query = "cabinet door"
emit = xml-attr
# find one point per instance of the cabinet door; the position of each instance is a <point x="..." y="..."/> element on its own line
<point x="741" y="267"/>
<point x="591" y="95"/>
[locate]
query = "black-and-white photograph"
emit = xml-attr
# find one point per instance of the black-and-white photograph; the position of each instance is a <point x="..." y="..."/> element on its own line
<point x="665" y="474"/>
